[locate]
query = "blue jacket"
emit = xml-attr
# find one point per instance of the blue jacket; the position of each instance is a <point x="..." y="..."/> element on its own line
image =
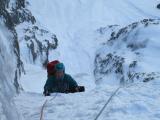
<point x="60" y="85"/>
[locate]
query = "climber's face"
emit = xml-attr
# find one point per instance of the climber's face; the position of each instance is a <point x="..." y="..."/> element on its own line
<point x="59" y="74"/>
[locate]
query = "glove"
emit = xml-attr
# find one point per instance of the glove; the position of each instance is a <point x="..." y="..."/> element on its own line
<point x="81" y="88"/>
<point x="46" y="92"/>
<point x="77" y="89"/>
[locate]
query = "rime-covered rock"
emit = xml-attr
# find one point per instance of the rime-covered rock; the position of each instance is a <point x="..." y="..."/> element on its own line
<point x="127" y="51"/>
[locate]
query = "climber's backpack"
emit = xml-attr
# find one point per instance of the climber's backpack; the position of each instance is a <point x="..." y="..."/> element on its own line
<point x="51" y="66"/>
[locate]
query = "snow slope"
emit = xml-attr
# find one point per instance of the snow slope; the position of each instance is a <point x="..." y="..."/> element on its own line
<point x="78" y="106"/>
<point x="77" y="24"/>
<point x="135" y="102"/>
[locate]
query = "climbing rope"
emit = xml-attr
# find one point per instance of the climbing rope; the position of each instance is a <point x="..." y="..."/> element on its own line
<point x="107" y="102"/>
<point x="98" y="115"/>
<point x="44" y="104"/>
<point x="41" y="117"/>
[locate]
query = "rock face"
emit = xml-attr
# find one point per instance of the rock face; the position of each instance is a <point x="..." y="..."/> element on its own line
<point x="127" y="51"/>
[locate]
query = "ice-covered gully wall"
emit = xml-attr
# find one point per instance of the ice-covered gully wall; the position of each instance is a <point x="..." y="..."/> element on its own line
<point x="12" y="14"/>
<point x="10" y="64"/>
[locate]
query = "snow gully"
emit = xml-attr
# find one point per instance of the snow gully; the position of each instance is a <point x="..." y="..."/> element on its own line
<point x="98" y="115"/>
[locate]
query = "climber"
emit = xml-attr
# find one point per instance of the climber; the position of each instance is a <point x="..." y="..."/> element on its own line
<point x="59" y="81"/>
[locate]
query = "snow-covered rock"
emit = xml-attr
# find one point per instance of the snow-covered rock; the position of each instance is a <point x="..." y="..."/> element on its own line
<point x="35" y="43"/>
<point x="130" y="54"/>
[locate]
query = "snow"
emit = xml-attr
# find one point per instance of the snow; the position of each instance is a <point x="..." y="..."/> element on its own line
<point x="64" y="106"/>
<point x="77" y="25"/>
<point x="136" y="102"/>
<point x="36" y="76"/>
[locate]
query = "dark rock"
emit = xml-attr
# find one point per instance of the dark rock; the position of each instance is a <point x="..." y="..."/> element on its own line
<point x="133" y="64"/>
<point x="158" y="6"/>
<point x="19" y="16"/>
<point x="20" y="4"/>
